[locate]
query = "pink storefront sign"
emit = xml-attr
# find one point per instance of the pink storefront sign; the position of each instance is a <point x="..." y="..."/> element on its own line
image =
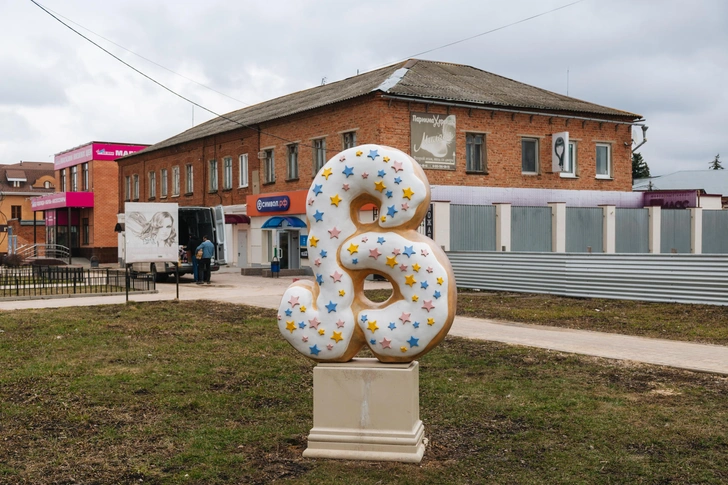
<point x="94" y="151"/>
<point x="62" y="199"/>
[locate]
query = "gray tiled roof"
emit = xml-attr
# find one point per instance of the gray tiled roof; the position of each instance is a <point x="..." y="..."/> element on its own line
<point x="713" y="182"/>
<point x="414" y="79"/>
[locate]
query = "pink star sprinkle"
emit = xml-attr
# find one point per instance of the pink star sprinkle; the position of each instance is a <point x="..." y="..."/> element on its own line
<point x="314" y="322"/>
<point x="311" y="201"/>
<point x="405" y="317"/>
<point x="374" y="253"/>
<point x="424" y="252"/>
<point x="364" y="239"/>
<point x="335" y="233"/>
<point x="304" y="338"/>
<point x="429" y="269"/>
<point x="317" y="262"/>
<point x="342" y="158"/>
<point x="428" y="305"/>
<point x="340" y="323"/>
<point x="279" y="316"/>
<point x="345" y="186"/>
<point x="364" y="175"/>
<point x="405" y="206"/>
<point x="386" y="344"/>
<point x="396" y="251"/>
<point x="397" y="166"/>
<point x="403" y="267"/>
<point x="293" y="301"/>
<point x="337" y="277"/>
<point x="330" y="346"/>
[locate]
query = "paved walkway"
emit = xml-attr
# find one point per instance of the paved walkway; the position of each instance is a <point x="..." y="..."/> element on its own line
<point x="229" y="286"/>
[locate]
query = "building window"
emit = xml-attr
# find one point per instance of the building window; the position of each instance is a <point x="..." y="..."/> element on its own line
<point x="84" y="176"/>
<point x="529" y="155"/>
<point x="84" y="223"/>
<point x="136" y="186"/>
<point x="604" y="161"/>
<point x="47" y="185"/>
<point x="474" y="156"/>
<point x="349" y="139"/>
<point x="189" y="179"/>
<point x="74" y="178"/>
<point x="127" y="188"/>
<point x="163" y="186"/>
<point x="270" y="169"/>
<point x="16" y="212"/>
<point x="227" y="173"/>
<point x="213" y="175"/>
<point x="63" y="180"/>
<point x="569" y="169"/>
<point x="175" y="181"/>
<point x="293" y="161"/>
<point x="16" y="183"/>
<point x="243" y="174"/>
<point x="319" y="154"/>
<point x="152" y="185"/>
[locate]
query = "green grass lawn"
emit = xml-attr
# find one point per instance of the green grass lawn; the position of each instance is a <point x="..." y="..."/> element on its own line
<point x="209" y="393"/>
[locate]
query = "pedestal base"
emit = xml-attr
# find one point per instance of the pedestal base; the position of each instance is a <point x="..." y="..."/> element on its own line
<point x="366" y="410"/>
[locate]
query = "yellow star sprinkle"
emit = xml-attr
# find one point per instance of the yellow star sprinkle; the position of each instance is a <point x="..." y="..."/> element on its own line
<point x="359" y="153"/>
<point x="440" y="280"/>
<point x="403" y="348"/>
<point x="379" y="186"/>
<point x="372" y="326"/>
<point x="415" y="297"/>
<point x="303" y="309"/>
<point x="313" y="241"/>
<point x="430" y="321"/>
<point x="337" y="337"/>
<point x="384" y="218"/>
<point x="353" y="248"/>
<point x="327" y="172"/>
<point x="335" y="200"/>
<point x="391" y="261"/>
<point x="342" y="293"/>
<point x="290" y="326"/>
<point x="386" y="159"/>
<point x="409" y="280"/>
<point x="321" y="331"/>
<point x="408" y="193"/>
<point x="415" y="267"/>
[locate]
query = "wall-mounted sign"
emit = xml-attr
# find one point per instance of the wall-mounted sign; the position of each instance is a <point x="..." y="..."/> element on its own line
<point x="433" y="140"/>
<point x="673" y="199"/>
<point x="94" y="151"/>
<point x="278" y="203"/>
<point x="560" y="152"/>
<point x="303" y="240"/>
<point x="429" y="224"/>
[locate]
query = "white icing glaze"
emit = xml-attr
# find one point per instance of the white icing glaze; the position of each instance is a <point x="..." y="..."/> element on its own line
<point x="402" y="329"/>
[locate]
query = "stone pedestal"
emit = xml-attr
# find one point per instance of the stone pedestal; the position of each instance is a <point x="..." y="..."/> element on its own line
<point x="366" y="410"/>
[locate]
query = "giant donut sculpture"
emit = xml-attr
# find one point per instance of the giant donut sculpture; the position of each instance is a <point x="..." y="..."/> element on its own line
<point x="330" y="319"/>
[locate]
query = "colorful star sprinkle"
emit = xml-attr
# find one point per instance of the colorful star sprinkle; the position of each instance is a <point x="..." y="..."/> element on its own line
<point x="319" y="216"/>
<point x="337" y="337"/>
<point x="392" y="326"/>
<point x="373" y="154"/>
<point x="391" y="261"/>
<point x="313" y="241"/>
<point x="379" y="186"/>
<point x="413" y="342"/>
<point x="405" y="317"/>
<point x="290" y="326"/>
<point x="397" y="166"/>
<point x="409" y="280"/>
<point x="327" y="173"/>
<point x="416" y="267"/>
<point x="386" y="343"/>
<point x="353" y="248"/>
<point x="317" y="189"/>
<point x="335" y="200"/>
<point x="407" y="193"/>
<point x="409" y="251"/>
<point x="374" y="253"/>
<point x="337" y="277"/>
<point x="334" y="233"/>
<point x="293" y="301"/>
<point x="427" y="305"/>
<point x="340" y="323"/>
<point x="348" y="171"/>
<point x="440" y="280"/>
<point x="314" y="350"/>
<point x="331" y="307"/>
<point x="372" y="326"/>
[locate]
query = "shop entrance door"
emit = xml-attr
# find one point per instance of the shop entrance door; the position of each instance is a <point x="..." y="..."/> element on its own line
<point x="290" y="248"/>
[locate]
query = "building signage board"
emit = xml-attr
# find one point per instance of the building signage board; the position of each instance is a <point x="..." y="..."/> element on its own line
<point x="151" y="232"/>
<point x="62" y="199"/>
<point x="560" y="152"/>
<point x="673" y="199"/>
<point x="433" y="140"/>
<point x="278" y="203"/>
<point x="94" y="151"/>
<point x="429" y="225"/>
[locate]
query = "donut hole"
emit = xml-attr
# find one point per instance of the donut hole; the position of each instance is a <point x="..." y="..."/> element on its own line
<point x="368" y="215"/>
<point x="378" y="288"/>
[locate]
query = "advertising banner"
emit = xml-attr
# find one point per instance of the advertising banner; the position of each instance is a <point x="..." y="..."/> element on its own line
<point x="673" y="199"/>
<point x="560" y="152"/>
<point x="433" y="140"/>
<point x="94" y="151"/>
<point x="152" y="232"/>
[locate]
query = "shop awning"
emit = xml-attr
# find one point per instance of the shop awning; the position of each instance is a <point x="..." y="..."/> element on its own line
<point x="237" y="219"/>
<point x="278" y="221"/>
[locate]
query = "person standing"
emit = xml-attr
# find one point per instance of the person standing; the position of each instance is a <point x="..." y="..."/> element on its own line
<point x="208" y="251"/>
<point x="192" y="243"/>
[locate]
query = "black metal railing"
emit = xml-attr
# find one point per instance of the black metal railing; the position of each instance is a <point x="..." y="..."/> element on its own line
<point x="44" y="281"/>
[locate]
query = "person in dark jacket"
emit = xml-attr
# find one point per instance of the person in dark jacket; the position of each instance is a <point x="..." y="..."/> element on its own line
<point x="208" y="251"/>
<point x="192" y="243"/>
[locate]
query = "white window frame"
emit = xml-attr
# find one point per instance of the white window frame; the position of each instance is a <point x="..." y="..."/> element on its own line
<point x="62" y="174"/>
<point x="319" y="154"/>
<point x="152" y="185"/>
<point x="573" y="158"/>
<point x="292" y="157"/>
<point x="608" y="147"/>
<point x="136" y="186"/>
<point x="227" y="173"/>
<point x="243" y="170"/>
<point x="175" y="181"/>
<point x="84" y="176"/>
<point x="127" y="187"/>
<point x="470" y="144"/>
<point x="189" y="178"/>
<point x="212" y="175"/>
<point x="74" y="178"/>
<point x="164" y="184"/>
<point x="270" y="166"/>
<point x="536" y="142"/>
<point x="348" y="139"/>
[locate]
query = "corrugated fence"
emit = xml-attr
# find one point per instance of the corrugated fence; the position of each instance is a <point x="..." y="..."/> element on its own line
<point x="683" y="278"/>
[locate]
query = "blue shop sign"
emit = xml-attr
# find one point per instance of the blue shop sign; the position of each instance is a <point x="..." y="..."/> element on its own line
<point x="303" y="241"/>
<point x="279" y="203"/>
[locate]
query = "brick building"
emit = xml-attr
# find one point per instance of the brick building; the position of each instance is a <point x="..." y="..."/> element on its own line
<point x="19" y="183"/>
<point x="466" y="127"/>
<point x="85" y="202"/>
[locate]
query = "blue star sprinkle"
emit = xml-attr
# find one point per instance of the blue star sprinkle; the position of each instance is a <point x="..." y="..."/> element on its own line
<point x="373" y="342"/>
<point x="388" y="194"/>
<point x="319" y="279"/>
<point x="354" y="261"/>
<point x="323" y="253"/>
<point x="317" y="189"/>
<point x="413" y="342"/>
<point x="424" y="285"/>
<point x="319" y="216"/>
<point x="416" y="324"/>
<point x="373" y="154"/>
<point x="331" y="307"/>
<point x="381" y="173"/>
<point x="289" y="312"/>
<point x="364" y="318"/>
<point x="380" y="240"/>
<point x="398" y="180"/>
<point x="391" y="211"/>
<point x="409" y="251"/>
<point x="314" y="350"/>
<point x="392" y="326"/>
<point x="348" y="171"/>
<point x="301" y="325"/>
<point x="437" y="295"/>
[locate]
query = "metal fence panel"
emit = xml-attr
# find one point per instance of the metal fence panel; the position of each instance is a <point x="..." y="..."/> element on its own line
<point x="584" y="229"/>
<point x="531" y="229"/>
<point x="675" y="231"/>
<point x="632" y="228"/>
<point x="472" y="227"/>
<point x="715" y="232"/>
<point x="683" y="278"/>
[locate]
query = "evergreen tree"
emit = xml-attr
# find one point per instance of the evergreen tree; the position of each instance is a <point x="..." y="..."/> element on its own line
<point x="640" y="170"/>
<point x="715" y="164"/>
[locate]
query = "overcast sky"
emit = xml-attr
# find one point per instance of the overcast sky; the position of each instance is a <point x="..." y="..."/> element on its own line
<point x="664" y="59"/>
